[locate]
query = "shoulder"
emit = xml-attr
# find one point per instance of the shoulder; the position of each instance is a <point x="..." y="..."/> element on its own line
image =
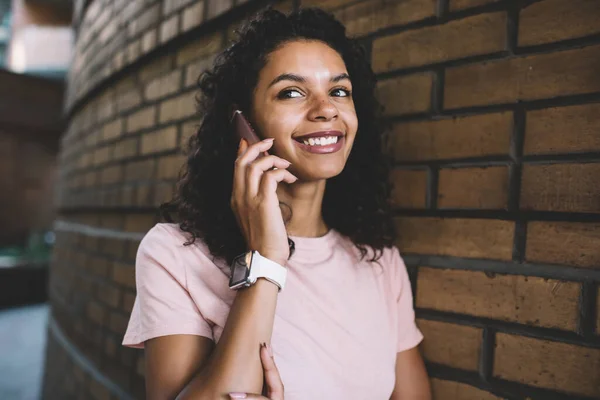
<point x="166" y="244"/>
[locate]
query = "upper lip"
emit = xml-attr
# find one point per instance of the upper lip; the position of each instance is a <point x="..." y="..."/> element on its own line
<point x="319" y="134"/>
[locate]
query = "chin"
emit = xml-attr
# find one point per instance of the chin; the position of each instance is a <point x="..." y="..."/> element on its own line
<point x="315" y="174"/>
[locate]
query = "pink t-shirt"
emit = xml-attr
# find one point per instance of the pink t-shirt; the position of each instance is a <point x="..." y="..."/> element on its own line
<point x="338" y="325"/>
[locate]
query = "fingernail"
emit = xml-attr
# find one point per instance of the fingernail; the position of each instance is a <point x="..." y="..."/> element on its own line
<point x="269" y="140"/>
<point x="270" y="350"/>
<point x="237" y="395"/>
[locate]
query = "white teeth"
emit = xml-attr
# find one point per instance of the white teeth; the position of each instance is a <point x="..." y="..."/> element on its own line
<point x="322" y="141"/>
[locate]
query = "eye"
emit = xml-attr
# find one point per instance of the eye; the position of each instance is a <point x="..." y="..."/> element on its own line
<point x="289" y="94"/>
<point x="339" y="92"/>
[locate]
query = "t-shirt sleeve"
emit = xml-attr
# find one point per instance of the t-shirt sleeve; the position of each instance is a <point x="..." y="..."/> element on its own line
<point x="409" y="334"/>
<point x="163" y="305"/>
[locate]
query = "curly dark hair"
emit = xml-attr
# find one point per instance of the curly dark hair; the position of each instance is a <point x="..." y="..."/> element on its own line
<point x="355" y="202"/>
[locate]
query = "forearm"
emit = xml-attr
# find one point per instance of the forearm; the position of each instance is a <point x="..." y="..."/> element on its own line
<point x="235" y="365"/>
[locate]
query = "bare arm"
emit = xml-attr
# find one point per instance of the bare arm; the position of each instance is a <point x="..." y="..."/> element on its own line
<point x="190" y="368"/>
<point x="412" y="382"/>
<point x="234" y="365"/>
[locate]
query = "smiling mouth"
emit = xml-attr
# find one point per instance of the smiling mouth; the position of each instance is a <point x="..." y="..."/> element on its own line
<point x="322" y="138"/>
<point x="325" y="142"/>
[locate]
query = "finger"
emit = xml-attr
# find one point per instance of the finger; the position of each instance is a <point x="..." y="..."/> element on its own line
<point x="248" y="154"/>
<point x="252" y="152"/>
<point x="255" y="170"/>
<point x="272" y="377"/>
<point x="239" y="395"/>
<point x="270" y="179"/>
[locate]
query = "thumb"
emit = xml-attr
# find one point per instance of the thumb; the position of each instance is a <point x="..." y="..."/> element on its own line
<point x="247" y="396"/>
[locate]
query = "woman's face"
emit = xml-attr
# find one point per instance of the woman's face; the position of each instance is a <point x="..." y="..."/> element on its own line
<point x="303" y="99"/>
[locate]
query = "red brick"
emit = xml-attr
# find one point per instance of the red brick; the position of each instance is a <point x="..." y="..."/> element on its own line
<point x="527" y="300"/>
<point x="158" y="67"/>
<point x="173" y="5"/>
<point x="372" y="15"/>
<point x="139" y="222"/>
<point x="109" y="295"/>
<point x="99" y="391"/>
<point x="457" y="346"/>
<point x="124" y="274"/>
<point x="112" y="129"/>
<point x="163" y="85"/>
<point x="128" y="301"/>
<point x="561" y="187"/>
<point x="149" y="40"/>
<point x="325" y="4"/>
<point x="177" y="108"/>
<point x="406" y="94"/>
<point x="409" y="188"/>
<point x="102" y="155"/>
<point x="448" y="390"/>
<point x="169" y="28"/>
<point x="132" y="248"/>
<point x="193" y="16"/>
<point x="570" y="243"/>
<point x="195" y="69"/>
<point x="216" y="8"/>
<point x="113" y="248"/>
<point x="202" y="47"/>
<point x="118" y="323"/>
<point x="110" y="346"/>
<point x="111" y="175"/>
<point x="163" y="192"/>
<point x="146" y="19"/>
<point x="480" y="34"/>
<point x="553" y="20"/>
<point x="533" y="77"/>
<point x="98" y="266"/>
<point x="125" y="148"/>
<point x="597" y="312"/>
<point x="473" y="136"/>
<point x="563" y="130"/>
<point x="471" y="238"/>
<point x="142" y="119"/>
<point x="462" y="4"/>
<point x="161" y="140"/>
<point x="128" y="99"/>
<point x="96" y="313"/>
<point x="140" y="170"/>
<point x="485" y="187"/>
<point x="551" y="365"/>
<point x="169" y="166"/>
<point x="143" y="195"/>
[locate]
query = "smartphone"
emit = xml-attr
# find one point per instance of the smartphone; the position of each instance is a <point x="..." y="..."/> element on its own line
<point x="243" y="129"/>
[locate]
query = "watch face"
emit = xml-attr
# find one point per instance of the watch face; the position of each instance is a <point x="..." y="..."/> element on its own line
<point x="240" y="269"/>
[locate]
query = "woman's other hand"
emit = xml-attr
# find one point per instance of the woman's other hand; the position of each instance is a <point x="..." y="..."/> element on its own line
<point x="272" y="379"/>
<point x="255" y="203"/>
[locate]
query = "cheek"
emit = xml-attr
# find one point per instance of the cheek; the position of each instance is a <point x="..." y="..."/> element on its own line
<point x="281" y="125"/>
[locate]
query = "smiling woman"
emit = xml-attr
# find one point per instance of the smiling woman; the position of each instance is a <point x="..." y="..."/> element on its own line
<point x="337" y="313"/>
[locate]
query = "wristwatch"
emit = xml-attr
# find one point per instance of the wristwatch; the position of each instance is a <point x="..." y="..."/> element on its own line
<point x="248" y="267"/>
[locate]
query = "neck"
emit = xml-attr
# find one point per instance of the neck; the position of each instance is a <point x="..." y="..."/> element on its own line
<point x="306" y="202"/>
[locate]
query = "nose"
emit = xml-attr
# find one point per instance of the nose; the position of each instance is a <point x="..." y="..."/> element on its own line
<point x="322" y="109"/>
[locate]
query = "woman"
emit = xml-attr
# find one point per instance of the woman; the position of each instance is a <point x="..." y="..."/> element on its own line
<point x="343" y="325"/>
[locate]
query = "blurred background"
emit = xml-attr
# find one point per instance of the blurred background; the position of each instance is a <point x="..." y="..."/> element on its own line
<point x="494" y="108"/>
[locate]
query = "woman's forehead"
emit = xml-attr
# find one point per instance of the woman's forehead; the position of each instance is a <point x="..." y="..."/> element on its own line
<point x="313" y="59"/>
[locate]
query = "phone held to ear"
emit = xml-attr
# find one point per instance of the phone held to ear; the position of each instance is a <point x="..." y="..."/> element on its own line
<point x="243" y="129"/>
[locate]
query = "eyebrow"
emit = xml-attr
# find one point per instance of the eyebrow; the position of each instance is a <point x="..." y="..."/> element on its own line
<point x="301" y="79"/>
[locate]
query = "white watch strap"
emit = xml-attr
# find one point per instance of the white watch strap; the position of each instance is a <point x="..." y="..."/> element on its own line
<point x="264" y="268"/>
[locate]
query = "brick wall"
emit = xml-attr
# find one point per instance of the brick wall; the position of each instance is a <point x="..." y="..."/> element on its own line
<point x="495" y="135"/>
<point x="30" y="126"/>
